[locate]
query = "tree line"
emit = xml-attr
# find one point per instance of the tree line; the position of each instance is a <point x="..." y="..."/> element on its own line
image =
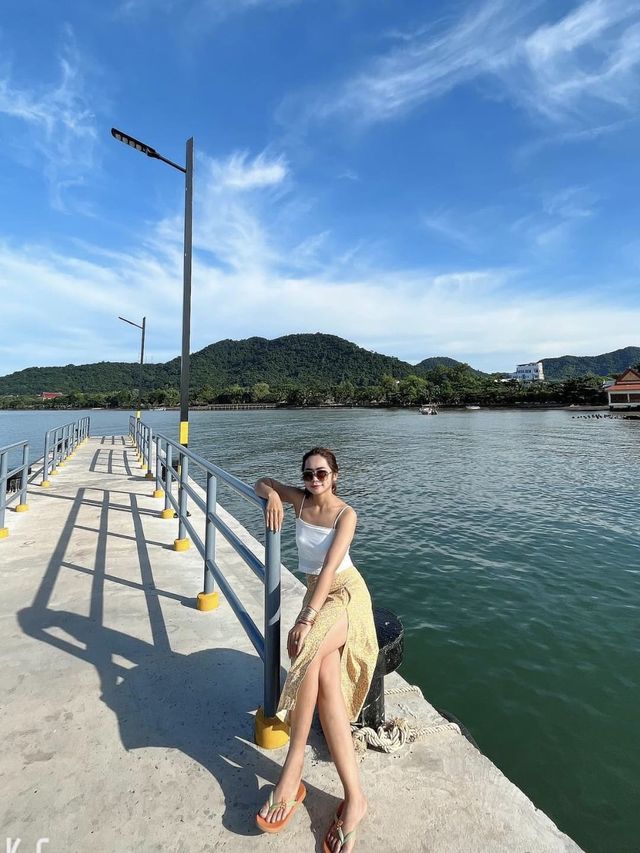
<point x="447" y="386"/>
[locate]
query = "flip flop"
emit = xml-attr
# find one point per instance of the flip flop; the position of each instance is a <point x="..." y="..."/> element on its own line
<point x="277" y="825"/>
<point x="342" y="836"/>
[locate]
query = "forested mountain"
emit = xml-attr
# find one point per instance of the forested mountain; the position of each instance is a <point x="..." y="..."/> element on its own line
<point x="309" y="360"/>
<point x="427" y="364"/>
<point x="607" y="364"/>
<point x="304" y="358"/>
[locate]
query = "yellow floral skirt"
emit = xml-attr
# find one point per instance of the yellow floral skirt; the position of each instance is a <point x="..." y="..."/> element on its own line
<point x="348" y="594"/>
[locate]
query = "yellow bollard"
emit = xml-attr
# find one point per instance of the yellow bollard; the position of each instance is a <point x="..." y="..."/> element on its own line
<point x="270" y="732"/>
<point x="207" y="601"/>
<point x="181" y="544"/>
<point x="22" y="507"/>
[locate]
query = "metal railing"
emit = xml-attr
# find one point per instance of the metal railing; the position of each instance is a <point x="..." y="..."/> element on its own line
<point x="60" y="442"/>
<point x="167" y="453"/>
<point x="142" y="436"/>
<point x="7" y="476"/>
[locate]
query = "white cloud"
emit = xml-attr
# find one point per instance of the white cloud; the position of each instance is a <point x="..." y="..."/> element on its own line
<point x="60" y="127"/>
<point x="573" y="70"/>
<point x="255" y="274"/>
<point x="237" y="173"/>
<point x="556" y="217"/>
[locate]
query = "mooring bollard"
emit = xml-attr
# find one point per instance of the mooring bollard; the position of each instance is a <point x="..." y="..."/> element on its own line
<point x="390" y="634"/>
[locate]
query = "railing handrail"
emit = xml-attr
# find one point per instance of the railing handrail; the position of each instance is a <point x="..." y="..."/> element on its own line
<point x="268" y="571"/>
<point x="60" y="442"/>
<point x="15" y="444"/>
<point x="7" y="474"/>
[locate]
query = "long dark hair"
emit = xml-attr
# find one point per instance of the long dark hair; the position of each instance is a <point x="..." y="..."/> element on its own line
<point x="329" y="457"/>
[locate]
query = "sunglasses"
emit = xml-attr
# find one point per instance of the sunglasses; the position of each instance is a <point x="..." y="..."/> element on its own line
<point x="321" y="475"/>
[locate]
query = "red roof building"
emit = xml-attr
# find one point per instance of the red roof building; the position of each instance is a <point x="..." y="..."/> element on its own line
<point x="51" y="395"/>
<point x="625" y="393"/>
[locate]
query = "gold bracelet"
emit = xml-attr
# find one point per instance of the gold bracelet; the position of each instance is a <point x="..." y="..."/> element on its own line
<point x="309" y="611"/>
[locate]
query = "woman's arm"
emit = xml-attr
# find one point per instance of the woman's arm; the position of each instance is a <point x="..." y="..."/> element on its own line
<point x="276" y="493"/>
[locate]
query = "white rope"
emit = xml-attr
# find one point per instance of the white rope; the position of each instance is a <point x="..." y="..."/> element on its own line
<point x="397" y="733"/>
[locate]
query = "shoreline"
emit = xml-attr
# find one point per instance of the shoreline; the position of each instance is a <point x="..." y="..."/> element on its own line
<point x="247" y="407"/>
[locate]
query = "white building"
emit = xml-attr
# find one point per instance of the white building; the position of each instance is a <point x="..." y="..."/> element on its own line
<point x="530" y="372"/>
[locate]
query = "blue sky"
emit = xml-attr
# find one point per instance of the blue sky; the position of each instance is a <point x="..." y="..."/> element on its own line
<point x="423" y="179"/>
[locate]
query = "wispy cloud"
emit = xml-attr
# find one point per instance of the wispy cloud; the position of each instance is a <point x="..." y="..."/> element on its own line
<point x="444" y="224"/>
<point x="570" y="70"/>
<point x="55" y="123"/>
<point x="556" y="216"/>
<point x="250" y="278"/>
<point x="240" y="173"/>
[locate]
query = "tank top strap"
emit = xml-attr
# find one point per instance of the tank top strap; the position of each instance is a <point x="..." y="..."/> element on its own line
<point x="339" y="514"/>
<point x="301" y="505"/>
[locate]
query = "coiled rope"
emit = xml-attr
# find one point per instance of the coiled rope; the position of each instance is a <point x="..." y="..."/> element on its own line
<point x="397" y="733"/>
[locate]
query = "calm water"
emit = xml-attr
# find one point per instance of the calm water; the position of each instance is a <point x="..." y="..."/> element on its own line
<point x="509" y="543"/>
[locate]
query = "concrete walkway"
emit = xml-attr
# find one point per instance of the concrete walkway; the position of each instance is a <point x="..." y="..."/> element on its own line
<point x="128" y="715"/>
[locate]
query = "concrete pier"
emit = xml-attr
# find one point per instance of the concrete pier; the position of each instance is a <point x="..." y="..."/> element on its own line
<point x="127" y="717"/>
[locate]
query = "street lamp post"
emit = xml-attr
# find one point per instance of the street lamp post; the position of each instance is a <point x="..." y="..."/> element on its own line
<point x="143" y="327"/>
<point x="187" y="170"/>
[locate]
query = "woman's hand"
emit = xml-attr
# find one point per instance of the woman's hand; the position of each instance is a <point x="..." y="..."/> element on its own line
<point x="274" y="512"/>
<point x="296" y="638"/>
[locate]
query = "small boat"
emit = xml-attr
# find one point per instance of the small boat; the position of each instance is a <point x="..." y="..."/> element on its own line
<point x="472" y="408"/>
<point x="429" y="409"/>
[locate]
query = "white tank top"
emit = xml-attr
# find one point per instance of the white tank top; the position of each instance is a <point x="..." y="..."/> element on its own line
<point x="313" y="543"/>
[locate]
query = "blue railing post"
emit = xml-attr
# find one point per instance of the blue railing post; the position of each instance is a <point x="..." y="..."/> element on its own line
<point x="149" y="474"/>
<point x="158" y="491"/>
<point x="24" y="480"/>
<point x="208" y="599"/>
<point x="167" y="512"/>
<point x="45" y="462"/>
<point x="182" y="543"/>
<point x="272" y="592"/>
<point x="3" y="492"/>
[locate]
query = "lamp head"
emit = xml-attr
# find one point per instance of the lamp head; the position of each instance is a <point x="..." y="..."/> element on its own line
<point x="134" y="143"/>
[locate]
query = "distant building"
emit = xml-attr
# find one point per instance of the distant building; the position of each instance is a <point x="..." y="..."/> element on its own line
<point x="530" y="372"/>
<point x="51" y="395"/>
<point x="625" y="393"/>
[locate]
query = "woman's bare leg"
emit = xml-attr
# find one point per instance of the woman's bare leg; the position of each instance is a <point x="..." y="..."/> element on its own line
<point x="337" y="731"/>
<point x="300" y="720"/>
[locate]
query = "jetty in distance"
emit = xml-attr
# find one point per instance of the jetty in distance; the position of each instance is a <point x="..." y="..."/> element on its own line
<point x="130" y="692"/>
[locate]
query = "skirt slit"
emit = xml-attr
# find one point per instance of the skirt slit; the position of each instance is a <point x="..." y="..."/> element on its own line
<point x="358" y="656"/>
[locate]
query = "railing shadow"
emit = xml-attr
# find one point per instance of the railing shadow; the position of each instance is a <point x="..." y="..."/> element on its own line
<point x="200" y="703"/>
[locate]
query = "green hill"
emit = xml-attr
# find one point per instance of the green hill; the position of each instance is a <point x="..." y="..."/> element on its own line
<point x="290" y="359"/>
<point x="607" y="364"/>
<point x="305" y="359"/>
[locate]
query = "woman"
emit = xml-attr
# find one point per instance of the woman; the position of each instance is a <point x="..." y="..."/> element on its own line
<point x="333" y="645"/>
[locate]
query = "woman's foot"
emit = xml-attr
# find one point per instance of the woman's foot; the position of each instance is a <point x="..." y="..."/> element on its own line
<point x="285" y="794"/>
<point x="352" y="811"/>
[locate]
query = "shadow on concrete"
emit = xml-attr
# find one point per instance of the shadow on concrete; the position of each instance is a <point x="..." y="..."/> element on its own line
<point x="200" y="703"/>
<point x="99" y="466"/>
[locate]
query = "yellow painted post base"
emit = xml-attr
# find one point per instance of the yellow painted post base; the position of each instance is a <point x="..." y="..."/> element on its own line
<point x="53" y="473"/>
<point x="22" y="507"/>
<point x="149" y="476"/>
<point x="157" y="493"/>
<point x="270" y="732"/>
<point x="181" y="544"/>
<point x="45" y="484"/>
<point x="166" y="513"/>
<point x="4" y="532"/>
<point x="61" y="464"/>
<point x="207" y="601"/>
